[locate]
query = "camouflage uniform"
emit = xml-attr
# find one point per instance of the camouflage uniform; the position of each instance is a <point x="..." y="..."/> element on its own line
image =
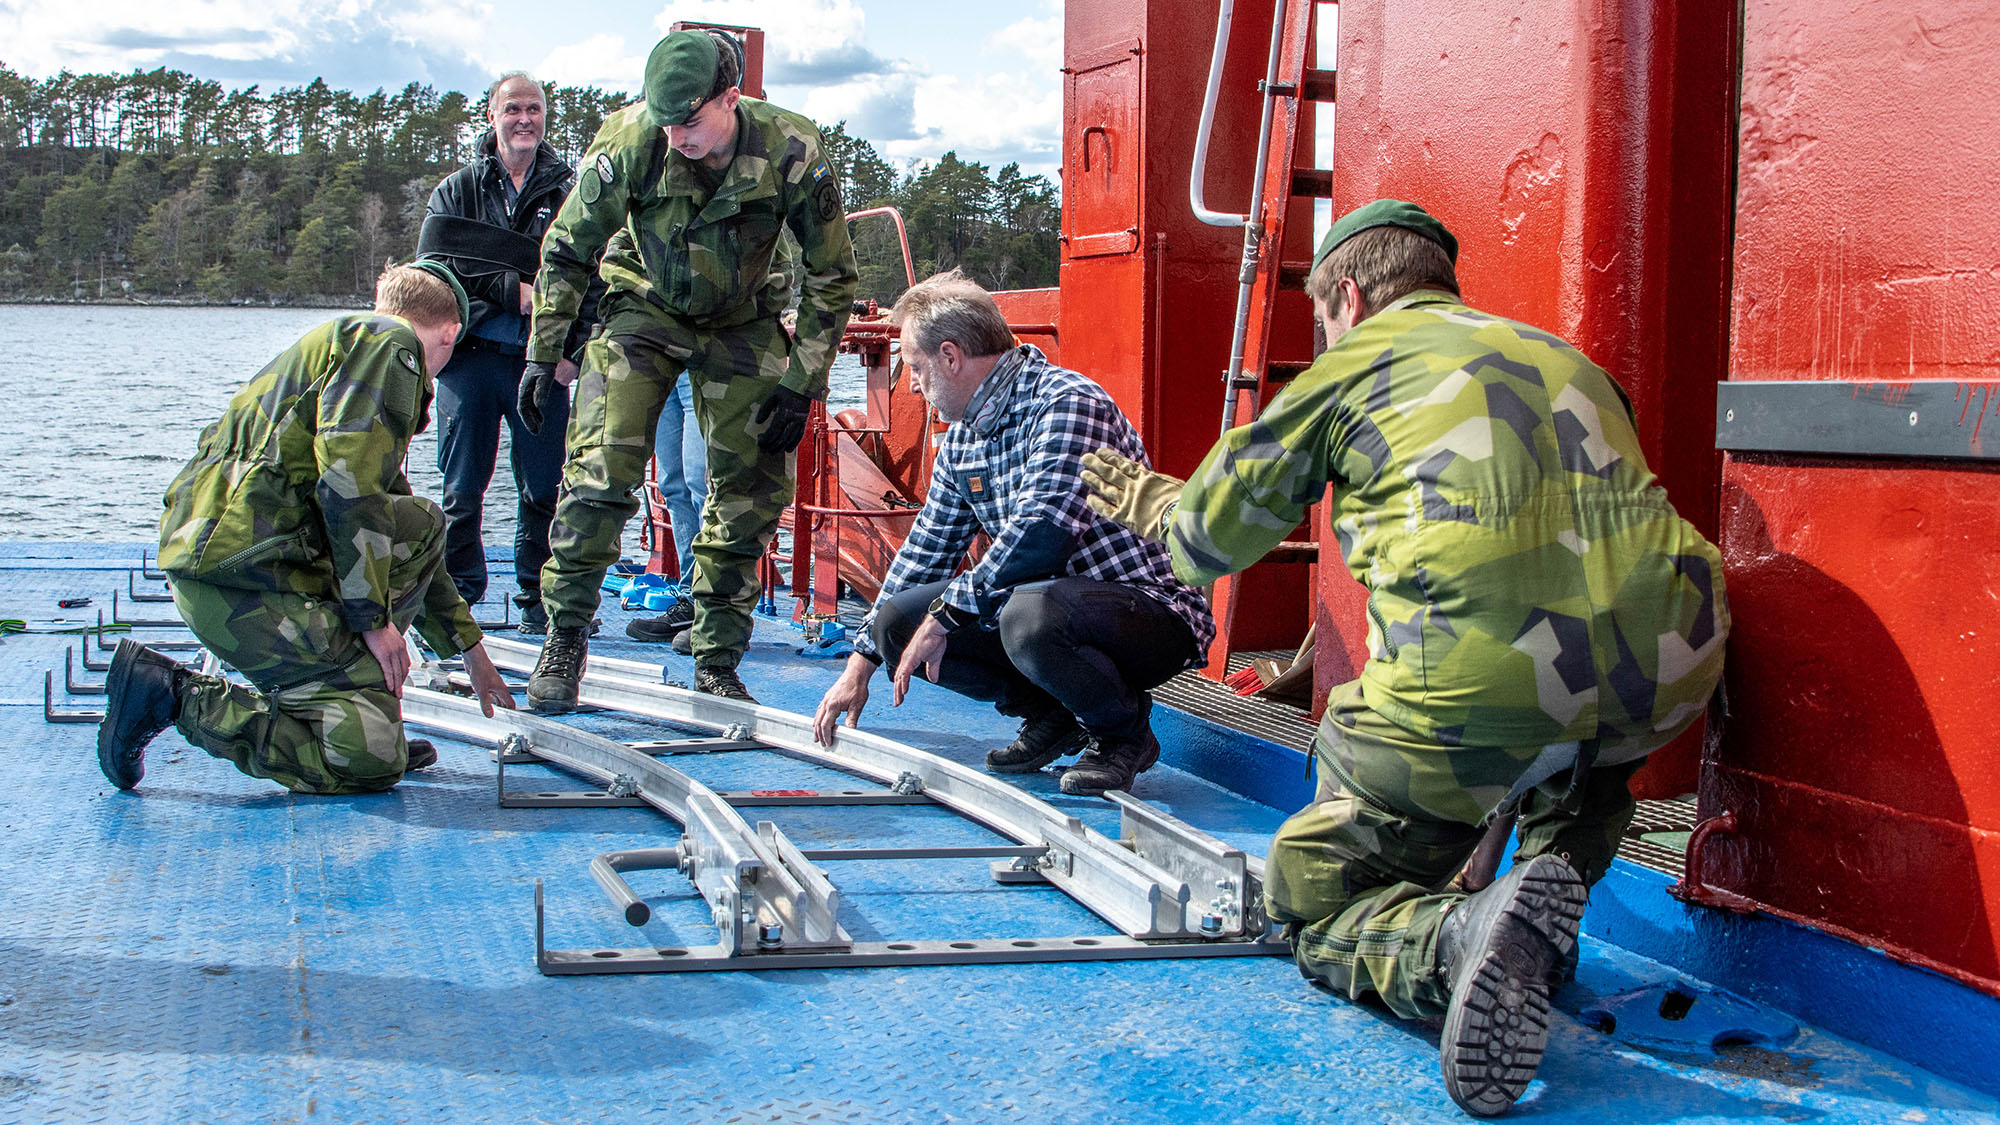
<point x="698" y="288"/>
<point x="291" y="533"/>
<point x="1535" y="605"/>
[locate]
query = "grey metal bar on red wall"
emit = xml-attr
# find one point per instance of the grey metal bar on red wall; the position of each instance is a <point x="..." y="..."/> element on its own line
<point x="1932" y="419"/>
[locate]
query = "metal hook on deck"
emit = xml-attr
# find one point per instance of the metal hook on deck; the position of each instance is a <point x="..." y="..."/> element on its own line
<point x="132" y="590"/>
<point x="49" y="712"/>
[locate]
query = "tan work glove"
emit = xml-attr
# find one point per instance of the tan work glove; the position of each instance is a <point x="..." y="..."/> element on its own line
<point x="1126" y="492"/>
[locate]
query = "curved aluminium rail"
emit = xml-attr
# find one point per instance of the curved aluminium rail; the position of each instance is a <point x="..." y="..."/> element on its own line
<point x="754" y="882"/>
<point x="1133" y="890"/>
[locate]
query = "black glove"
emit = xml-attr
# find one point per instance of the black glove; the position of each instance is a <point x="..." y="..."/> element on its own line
<point x="786" y="412"/>
<point x="538" y="379"/>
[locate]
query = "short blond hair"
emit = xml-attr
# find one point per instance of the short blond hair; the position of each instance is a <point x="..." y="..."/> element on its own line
<point x="951" y="306"/>
<point x="417" y="296"/>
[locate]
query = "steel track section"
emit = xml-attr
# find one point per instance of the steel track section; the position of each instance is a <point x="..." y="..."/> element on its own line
<point x="754" y="881"/>
<point x="1130" y="889"/>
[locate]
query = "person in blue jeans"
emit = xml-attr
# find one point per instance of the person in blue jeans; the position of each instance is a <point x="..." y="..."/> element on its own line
<point x="682" y="457"/>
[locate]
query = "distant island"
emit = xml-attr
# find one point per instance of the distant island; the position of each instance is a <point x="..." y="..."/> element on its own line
<point x="161" y="187"/>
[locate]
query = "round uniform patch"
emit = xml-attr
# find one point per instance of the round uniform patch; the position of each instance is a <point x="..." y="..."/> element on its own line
<point x="589" y="186"/>
<point x="827" y="198"/>
<point x="604" y="170"/>
<point x="409" y="360"/>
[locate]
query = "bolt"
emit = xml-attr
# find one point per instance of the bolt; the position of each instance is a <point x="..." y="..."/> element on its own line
<point x="770" y="935"/>
<point x="1729" y="416"/>
<point x="1913" y="417"/>
<point x="1211" y="925"/>
<point x="515" y="744"/>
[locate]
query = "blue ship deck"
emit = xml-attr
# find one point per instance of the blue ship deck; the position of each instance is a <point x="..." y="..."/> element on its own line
<point x="210" y="947"/>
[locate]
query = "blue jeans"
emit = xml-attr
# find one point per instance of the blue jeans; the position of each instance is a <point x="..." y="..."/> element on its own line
<point x="475" y="392"/>
<point x="683" y="461"/>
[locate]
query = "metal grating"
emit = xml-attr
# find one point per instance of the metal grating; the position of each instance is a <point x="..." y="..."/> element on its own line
<point x="1656" y="839"/>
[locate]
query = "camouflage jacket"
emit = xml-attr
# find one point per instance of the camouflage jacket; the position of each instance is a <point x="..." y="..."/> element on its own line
<point x="289" y="490"/>
<point x="706" y="258"/>
<point x="1529" y="582"/>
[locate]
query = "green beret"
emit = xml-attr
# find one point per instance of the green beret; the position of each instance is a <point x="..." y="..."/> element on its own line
<point x="679" y="74"/>
<point x="1387" y="213"/>
<point x="443" y="272"/>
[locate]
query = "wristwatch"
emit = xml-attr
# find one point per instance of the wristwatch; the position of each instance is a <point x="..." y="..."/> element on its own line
<point x="948" y="615"/>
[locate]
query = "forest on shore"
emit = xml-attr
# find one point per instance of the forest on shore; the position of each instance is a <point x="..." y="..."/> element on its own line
<point x="159" y="185"/>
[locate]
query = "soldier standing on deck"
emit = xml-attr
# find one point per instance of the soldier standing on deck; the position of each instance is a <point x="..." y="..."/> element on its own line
<point x="299" y="557"/>
<point x="705" y="179"/>
<point x="1541" y="620"/>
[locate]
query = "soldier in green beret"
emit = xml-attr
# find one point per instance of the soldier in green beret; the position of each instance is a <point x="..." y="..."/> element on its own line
<point x="1540" y="619"/>
<point x="706" y="181"/>
<point x="299" y="557"/>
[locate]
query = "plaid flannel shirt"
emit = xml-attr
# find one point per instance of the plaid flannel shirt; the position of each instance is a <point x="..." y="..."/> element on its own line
<point x="1011" y="467"/>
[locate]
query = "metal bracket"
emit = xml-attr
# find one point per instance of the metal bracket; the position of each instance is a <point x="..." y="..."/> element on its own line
<point x="84" y="657"/>
<point x="70" y="683"/>
<point x="146" y="569"/>
<point x="143" y="622"/>
<point x="49" y="712"/>
<point x="132" y="590"/>
<point x="1940" y="419"/>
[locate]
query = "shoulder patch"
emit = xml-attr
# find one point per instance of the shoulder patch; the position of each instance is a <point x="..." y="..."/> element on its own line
<point x="605" y="172"/>
<point x="826" y="197"/>
<point x="408" y="360"/>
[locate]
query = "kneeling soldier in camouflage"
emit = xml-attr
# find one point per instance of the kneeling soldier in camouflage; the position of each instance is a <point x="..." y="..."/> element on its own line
<point x="1541" y="620"/>
<point x="298" y="556"/>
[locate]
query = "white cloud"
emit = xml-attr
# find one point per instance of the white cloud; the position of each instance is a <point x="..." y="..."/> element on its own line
<point x="606" y="61"/>
<point x="1039" y="39"/>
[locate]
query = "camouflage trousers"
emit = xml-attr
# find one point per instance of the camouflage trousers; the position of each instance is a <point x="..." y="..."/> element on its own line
<point x="629" y="370"/>
<point x="1359" y="876"/>
<point x="321" y="718"/>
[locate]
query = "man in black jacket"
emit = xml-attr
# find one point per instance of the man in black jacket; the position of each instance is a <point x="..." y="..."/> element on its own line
<point x="486" y="221"/>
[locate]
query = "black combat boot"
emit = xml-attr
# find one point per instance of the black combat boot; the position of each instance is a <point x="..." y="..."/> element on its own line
<point x="1044" y="738"/>
<point x="1112" y="763"/>
<point x="534" y="619"/>
<point x="665" y="627"/>
<point x="714" y="679"/>
<point x="1496" y="952"/>
<point x="552" y="689"/>
<point x="142" y="697"/>
<point x="423" y="755"/>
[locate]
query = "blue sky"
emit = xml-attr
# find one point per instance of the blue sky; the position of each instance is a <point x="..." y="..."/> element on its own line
<point x="917" y="77"/>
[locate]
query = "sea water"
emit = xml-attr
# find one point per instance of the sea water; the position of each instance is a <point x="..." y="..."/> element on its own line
<point x="101" y="405"/>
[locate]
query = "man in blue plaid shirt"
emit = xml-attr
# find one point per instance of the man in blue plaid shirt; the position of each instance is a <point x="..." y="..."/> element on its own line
<point x="1068" y="620"/>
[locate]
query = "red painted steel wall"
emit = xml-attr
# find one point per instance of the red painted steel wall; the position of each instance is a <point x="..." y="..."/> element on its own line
<point x="1860" y="756"/>
<point x="1148" y="292"/>
<point x="1581" y="154"/>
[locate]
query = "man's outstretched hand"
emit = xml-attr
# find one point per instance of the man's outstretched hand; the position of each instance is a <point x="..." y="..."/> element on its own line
<point x="1126" y="492"/>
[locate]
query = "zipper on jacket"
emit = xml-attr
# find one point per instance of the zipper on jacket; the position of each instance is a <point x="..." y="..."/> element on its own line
<point x="262" y="544"/>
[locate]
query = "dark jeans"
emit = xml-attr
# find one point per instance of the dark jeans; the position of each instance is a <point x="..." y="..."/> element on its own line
<point x="475" y="391"/>
<point x="1089" y="646"/>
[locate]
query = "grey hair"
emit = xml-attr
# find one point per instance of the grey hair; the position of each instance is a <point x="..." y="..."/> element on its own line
<point x="493" y="91"/>
<point x="951" y="306"/>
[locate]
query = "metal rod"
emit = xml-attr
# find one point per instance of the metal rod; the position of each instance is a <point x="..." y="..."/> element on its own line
<point x="90" y="664"/>
<point x="606" y="870"/>
<point x="1199" y="172"/>
<point x="1026" y="851"/>
<point x="143" y="622"/>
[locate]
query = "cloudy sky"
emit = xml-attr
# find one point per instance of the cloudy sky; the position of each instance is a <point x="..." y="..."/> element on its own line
<point x="917" y="77"/>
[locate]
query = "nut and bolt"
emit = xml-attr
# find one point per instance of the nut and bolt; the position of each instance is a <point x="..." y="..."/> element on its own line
<point x="770" y="935"/>
<point x="1211" y="925"/>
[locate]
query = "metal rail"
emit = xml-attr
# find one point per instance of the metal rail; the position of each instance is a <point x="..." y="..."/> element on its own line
<point x="1130" y="889"/>
<point x="754" y="882"/>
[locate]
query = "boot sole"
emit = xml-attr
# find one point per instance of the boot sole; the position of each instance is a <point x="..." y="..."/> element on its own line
<point x="1497" y="1026"/>
<point x="550" y="706"/>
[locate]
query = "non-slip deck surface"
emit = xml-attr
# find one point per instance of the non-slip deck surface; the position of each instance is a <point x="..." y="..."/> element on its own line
<point x="212" y="948"/>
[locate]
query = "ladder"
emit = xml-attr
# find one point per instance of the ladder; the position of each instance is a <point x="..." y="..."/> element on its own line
<point x="1263" y="354"/>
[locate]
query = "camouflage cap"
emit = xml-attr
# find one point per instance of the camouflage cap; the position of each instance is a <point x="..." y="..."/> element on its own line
<point x="679" y="75"/>
<point x="443" y="272"/>
<point x="1387" y="213"/>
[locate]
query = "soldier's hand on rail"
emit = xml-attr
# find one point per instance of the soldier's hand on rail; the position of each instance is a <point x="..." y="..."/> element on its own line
<point x="783" y="417"/>
<point x="926" y="651"/>
<point x="487" y="686"/>
<point x="847" y="696"/>
<point x="538" y="382"/>
<point x="392" y="653"/>
<point x="1126" y="492"/>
